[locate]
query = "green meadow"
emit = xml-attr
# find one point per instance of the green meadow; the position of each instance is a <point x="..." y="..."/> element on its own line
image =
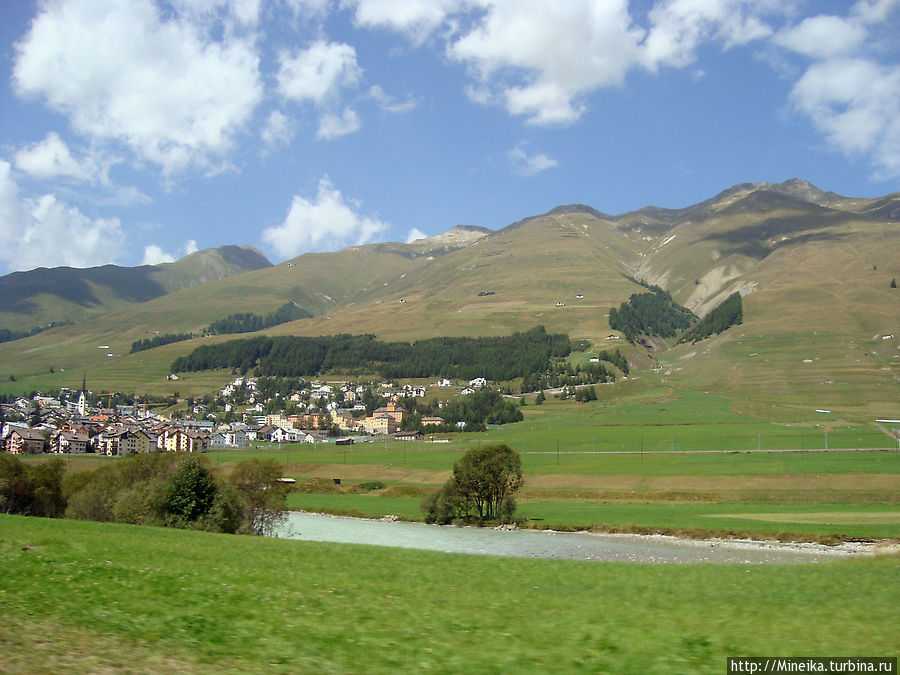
<point x="94" y="597"/>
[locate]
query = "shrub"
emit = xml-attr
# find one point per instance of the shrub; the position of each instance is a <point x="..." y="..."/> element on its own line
<point x="191" y="493"/>
<point x="368" y="486"/>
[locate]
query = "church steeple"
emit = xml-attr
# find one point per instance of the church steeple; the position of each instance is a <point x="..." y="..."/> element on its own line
<point x="82" y="397"/>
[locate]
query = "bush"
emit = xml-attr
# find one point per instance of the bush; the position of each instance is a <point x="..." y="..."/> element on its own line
<point x="256" y="482"/>
<point x="368" y="486"/>
<point x="191" y="493"/>
<point x="178" y="491"/>
<point x="32" y="490"/>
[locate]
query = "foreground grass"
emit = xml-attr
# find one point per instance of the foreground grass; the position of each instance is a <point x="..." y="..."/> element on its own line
<point x="89" y="597"/>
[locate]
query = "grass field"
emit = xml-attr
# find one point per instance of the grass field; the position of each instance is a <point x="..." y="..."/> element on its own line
<point x="91" y="597"/>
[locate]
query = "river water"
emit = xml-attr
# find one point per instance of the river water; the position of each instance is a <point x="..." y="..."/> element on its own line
<point x="545" y="544"/>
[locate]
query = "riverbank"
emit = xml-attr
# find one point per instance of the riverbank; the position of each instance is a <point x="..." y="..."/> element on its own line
<point x="545" y="543"/>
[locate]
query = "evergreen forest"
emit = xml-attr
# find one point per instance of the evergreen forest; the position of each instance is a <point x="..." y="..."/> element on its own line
<point x="495" y="358"/>
<point x="725" y="315"/>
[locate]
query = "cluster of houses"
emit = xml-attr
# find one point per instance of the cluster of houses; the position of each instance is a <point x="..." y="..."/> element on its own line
<point x="75" y="428"/>
<point x="71" y="426"/>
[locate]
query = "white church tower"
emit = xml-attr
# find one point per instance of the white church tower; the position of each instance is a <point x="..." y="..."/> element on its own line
<point x="82" y="398"/>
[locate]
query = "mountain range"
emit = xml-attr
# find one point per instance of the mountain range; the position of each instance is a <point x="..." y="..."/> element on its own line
<point x="814" y="269"/>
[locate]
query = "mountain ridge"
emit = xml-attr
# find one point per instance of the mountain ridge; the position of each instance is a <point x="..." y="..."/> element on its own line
<point x="44" y="295"/>
<point x="814" y="278"/>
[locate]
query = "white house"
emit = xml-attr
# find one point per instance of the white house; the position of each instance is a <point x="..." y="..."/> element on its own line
<point x="283" y="435"/>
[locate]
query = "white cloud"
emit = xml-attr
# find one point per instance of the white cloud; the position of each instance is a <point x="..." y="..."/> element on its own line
<point x="44" y="232"/>
<point x="278" y="130"/>
<point x="153" y="254"/>
<point x="121" y="72"/>
<point x="873" y="11"/>
<point x="850" y="97"/>
<point x="678" y="27"/>
<point x="318" y="73"/>
<point x="390" y="104"/>
<point x="51" y="158"/>
<point x="414" y="235"/>
<point x="539" y="59"/>
<point x="233" y="14"/>
<point x="823" y="36"/>
<point x="856" y="104"/>
<point x="528" y="165"/>
<point x="417" y="19"/>
<point x="309" y="8"/>
<point x="328" y="222"/>
<point x="333" y="126"/>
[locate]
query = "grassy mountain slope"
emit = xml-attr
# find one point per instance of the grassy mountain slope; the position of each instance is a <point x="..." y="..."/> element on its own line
<point x="814" y="269"/>
<point x="41" y="296"/>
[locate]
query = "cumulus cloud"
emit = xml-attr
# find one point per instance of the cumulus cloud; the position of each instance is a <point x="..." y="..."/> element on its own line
<point x="414" y="235"/>
<point x="541" y="60"/>
<point x="528" y="165"/>
<point x="154" y="255"/>
<point x="121" y="72"/>
<point x="328" y="222"/>
<point x="45" y="232"/>
<point x="678" y="27"/>
<point x="538" y="59"/>
<point x="856" y="104"/>
<point x="51" y="158"/>
<point x="853" y="99"/>
<point x="333" y="126"/>
<point x="417" y="19"/>
<point x="318" y="73"/>
<point x="823" y="36"/>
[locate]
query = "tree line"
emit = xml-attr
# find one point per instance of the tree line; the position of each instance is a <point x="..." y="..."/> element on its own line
<point x="495" y="358"/>
<point x="7" y="335"/>
<point x="158" y="341"/>
<point x="162" y="489"/>
<point x="247" y="322"/>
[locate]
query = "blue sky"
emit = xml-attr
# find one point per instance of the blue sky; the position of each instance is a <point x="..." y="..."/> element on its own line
<point x="138" y="131"/>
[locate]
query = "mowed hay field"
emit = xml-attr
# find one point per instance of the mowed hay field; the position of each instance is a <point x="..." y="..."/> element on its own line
<point x="94" y="597"/>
